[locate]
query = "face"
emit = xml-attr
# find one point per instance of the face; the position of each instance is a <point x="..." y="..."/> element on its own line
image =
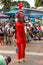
<point x="21" y="8"/>
<point x="6" y="60"/>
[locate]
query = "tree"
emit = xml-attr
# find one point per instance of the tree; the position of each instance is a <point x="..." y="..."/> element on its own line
<point x="25" y="3"/>
<point x="14" y="3"/>
<point x="38" y="3"/>
<point x="7" y="4"/>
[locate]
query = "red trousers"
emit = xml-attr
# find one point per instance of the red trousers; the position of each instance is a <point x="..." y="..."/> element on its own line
<point x="21" y="39"/>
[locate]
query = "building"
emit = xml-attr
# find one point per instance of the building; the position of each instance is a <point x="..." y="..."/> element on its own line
<point x="35" y="15"/>
<point x="32" y="14"/>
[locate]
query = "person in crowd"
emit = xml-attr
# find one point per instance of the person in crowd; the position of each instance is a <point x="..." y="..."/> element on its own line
<point x="39" y="28"/>
<point x="14" y="33"/>
<point x="20" y="33"/>
<point x="31" y="28"/>
<point x="39" y="31"/>
<point x="6" y="24"/>
<point x="14" y="29"/>
<point x="5" y="32"/>
<point x="1" y="35"/>
<point x="42" y="29"/>
<point x="35" y="31"/>
<point x="5" y="60"/>
<point x="27" y="36"/>
<point x="31" y="24"/>
<point x="28" y="28"/>
<point x="10" y="33"/>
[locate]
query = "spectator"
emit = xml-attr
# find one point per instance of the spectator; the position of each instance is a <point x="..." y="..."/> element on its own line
<point x="31" y="24"/>
<point x="39" y="28"/>
<point x="14" y="29"/>
<point x="6" y="24"/>
<point x="27" y="36"/>
<point x="42" y="29"/>
<point x="10" y="33"/>
<point x="5" y="60"/>
<point x="39" y="31"/>
<point x="1" y="35"/>
<point x="35" y="30"/>
<point x="5" y="32"/>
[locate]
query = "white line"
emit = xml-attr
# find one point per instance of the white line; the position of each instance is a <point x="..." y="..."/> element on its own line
<point x="34" y="53"/>
<point x="7" y="52"/>
<point x="14" y="52"/>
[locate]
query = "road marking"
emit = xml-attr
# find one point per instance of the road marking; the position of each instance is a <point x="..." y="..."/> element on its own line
<point x="14" y="52"/>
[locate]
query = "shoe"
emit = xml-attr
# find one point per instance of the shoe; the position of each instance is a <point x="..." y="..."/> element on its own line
<point x="20" y="60"/>
<point x="24" y="60"/>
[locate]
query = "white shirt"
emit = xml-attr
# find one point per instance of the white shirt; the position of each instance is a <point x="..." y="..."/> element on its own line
<point x="11" y="29"/>
<point x="31" y="24"/>
<point x="6" y="26"/>
<point x="16" y="19"/>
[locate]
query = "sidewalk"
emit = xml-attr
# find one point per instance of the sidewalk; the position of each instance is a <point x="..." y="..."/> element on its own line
<point x="33" y="46"/>
<point x="34" y="53"/>
<point x="30" y="60"/>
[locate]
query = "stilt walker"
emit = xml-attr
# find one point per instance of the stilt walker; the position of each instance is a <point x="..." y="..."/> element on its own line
<point x="20" y="33"/>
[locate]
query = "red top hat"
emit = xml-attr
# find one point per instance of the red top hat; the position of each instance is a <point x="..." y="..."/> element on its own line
<point x="20" y="5"/>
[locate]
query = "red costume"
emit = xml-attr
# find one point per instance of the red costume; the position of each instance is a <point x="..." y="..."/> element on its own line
<point x="20" y="33"/>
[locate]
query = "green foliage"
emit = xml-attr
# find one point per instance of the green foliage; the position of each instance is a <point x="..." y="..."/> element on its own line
<point x="8" y="4"/>
<point x="38" y="3"/>
<point x="14" y="3"/>
<point x="26" y="4"/>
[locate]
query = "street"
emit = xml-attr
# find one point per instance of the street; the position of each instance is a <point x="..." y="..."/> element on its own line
<point x="34" y="53"/>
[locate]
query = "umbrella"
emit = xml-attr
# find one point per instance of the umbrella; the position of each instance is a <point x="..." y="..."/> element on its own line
<point x="3" y="16"/>
<point x="12" y="12"/>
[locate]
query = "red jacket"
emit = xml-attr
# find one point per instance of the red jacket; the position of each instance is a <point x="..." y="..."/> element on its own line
<point x="39" y="28"/>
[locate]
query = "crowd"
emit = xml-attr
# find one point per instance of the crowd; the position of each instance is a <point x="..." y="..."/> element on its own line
<point x="32" y="30"/>
<point x="7" y="32"/>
